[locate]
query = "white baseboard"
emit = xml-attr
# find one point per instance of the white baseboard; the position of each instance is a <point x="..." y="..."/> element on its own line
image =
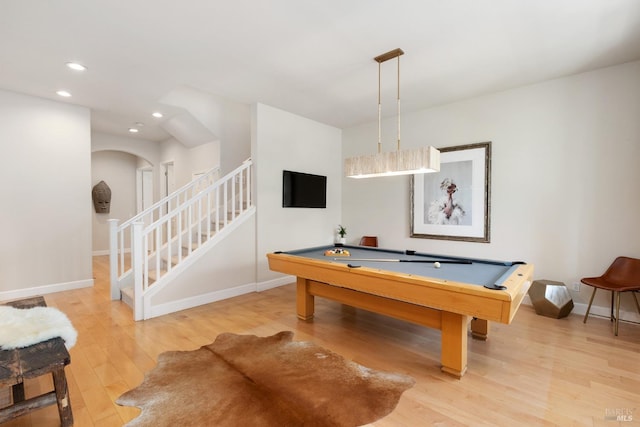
<point x="270" y="284"/>
<point x="625" y="316"/>
<point x="195" y="301"/>
<point x="186" y="303"/>
<point x="107" y="252"/>
<point x="45" y="289"/>
<point x="183" y="304"/>
<point x="580" y="309"/>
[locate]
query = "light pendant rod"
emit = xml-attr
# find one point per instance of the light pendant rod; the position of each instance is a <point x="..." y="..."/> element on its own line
<point x="395" y="53"/>
<point x="398" y="146"/>
<point x="379" y="114"/>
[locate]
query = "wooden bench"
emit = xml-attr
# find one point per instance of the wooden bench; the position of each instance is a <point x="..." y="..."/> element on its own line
<point x="19" y="364"/>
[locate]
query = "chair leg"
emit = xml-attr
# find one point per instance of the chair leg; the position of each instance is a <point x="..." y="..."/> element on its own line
<point x="615" y="328"/>
<point x="589" y="308"/>
<point x="613" y="294"/>
<point x="635" y="298"/>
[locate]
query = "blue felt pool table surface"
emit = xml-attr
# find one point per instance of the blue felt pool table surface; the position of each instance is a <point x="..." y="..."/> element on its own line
<point x="478" y="272"/>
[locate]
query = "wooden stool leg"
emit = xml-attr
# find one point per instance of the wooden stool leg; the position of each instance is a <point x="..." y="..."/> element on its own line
<point x="62" y="397"/>
<point x="18" y="392"/>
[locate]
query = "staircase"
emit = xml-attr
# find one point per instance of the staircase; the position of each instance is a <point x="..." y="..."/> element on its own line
<point x="149" y="249"/>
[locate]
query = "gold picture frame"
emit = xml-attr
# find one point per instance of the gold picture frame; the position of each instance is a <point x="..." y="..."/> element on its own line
<point x="454" y="204"/>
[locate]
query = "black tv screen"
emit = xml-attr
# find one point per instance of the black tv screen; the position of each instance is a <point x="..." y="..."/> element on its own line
<point x="303" y="190"/>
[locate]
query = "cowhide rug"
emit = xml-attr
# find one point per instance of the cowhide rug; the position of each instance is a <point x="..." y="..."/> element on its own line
<point x="245" y="380"/>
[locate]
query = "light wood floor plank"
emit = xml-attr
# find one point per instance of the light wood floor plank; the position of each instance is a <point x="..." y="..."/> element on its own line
<point x="536" y="372"/>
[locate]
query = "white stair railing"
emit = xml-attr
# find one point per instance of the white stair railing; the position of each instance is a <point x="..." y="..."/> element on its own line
<point x="162" y="236"/>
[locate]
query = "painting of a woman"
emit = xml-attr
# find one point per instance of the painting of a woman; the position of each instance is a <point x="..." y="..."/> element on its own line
<point x="446" y="209"/>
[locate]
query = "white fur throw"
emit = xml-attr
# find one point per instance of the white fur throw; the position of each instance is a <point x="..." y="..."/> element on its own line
<point x="24" y="327"/>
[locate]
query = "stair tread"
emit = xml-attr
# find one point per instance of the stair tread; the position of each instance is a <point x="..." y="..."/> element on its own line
<point x="153" y="274"/>
<point x="127" y="296"/>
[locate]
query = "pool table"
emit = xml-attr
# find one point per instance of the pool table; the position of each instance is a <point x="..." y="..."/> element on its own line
<point x="408" y="285"/>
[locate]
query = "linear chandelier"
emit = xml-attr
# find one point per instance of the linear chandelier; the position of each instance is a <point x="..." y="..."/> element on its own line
<point x="399" y="162"/>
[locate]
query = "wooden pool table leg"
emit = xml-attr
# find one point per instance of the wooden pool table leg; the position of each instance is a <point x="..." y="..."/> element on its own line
<point x="479" y="329"/>
<point x="305" y="301"/>
<point x="454" y="343"/>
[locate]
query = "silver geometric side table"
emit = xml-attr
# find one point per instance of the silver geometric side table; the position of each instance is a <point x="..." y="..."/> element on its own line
<point x="551" y="299"/>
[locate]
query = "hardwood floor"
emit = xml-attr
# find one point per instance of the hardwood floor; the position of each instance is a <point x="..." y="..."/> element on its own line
<point x="535" y="372"/>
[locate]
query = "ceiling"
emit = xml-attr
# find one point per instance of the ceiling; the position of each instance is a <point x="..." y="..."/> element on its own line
<point x="311" y="58"/>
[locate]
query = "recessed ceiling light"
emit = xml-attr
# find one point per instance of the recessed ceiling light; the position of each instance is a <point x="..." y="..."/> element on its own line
<point x="133" y="130"/>
<point x="63" y="93"/>
<point x="157" y="114"/>
<point x="76" y="66"/>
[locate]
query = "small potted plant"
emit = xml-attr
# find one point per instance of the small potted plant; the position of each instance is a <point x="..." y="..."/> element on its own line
<point x="340" y="235"/>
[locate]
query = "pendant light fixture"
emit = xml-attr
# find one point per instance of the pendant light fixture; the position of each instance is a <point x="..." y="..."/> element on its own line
<point x="399" y="162"/>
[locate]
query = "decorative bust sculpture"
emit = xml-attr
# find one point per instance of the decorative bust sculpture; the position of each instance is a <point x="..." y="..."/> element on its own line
<point x="101" y="195"/>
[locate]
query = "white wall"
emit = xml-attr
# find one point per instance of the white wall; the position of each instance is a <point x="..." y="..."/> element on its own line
<point x="564" y="178"/>
<point x="189" y="160"/>
<point x="229" y="121"/>
<point x="149" y="151"/>
<point x="118" y="170"/>
<point x="235" y="136"/>
<point x="45" y="220"/>
<point x="282" y="140"/>
<point x="117" y="158"/>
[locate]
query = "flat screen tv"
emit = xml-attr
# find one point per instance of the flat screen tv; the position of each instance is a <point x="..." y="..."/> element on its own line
<point x="303" y="190"/>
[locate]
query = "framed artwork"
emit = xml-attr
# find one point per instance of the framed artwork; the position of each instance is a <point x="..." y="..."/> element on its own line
<point x="453" y="204"/>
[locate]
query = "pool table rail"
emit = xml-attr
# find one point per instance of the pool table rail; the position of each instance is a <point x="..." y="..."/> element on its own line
<point x="473" y="300"/>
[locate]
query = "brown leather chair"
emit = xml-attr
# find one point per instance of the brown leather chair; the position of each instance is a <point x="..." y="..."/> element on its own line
<point x="369" y="241"/>
<point x="621" y="276"/>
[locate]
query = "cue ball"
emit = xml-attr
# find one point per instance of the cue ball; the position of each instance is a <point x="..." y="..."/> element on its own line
<point x="436" y="264"/>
